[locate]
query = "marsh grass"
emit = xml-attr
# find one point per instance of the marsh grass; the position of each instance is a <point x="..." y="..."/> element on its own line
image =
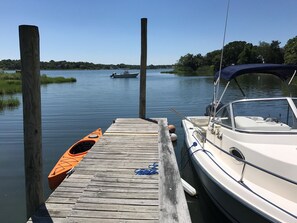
<point x="10" y="83"/>
<point x="9" y="103"/>
<point x="55" y="80"/>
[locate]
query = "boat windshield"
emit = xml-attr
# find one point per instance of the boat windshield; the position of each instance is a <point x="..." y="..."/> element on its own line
<point x="295" y="101"/>
<point x="262" y="115"/>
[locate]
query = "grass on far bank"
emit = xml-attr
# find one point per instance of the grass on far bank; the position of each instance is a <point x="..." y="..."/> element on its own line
<point x="10" y="83"/>
<point x="9" y="103"/>
<point x="56" y="80"/>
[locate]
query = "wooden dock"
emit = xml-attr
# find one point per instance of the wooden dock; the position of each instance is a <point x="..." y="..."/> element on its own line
<point x="104" y="187"/>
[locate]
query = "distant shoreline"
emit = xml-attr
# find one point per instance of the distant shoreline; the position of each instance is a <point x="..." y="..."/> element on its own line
<point x="202" y="71"/>
<point x="68" y="65"/>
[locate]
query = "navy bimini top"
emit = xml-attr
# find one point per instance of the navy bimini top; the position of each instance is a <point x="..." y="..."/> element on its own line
<point x="284" y="72"/>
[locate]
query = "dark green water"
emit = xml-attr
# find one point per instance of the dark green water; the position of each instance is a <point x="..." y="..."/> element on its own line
<point x="70" y="111"/>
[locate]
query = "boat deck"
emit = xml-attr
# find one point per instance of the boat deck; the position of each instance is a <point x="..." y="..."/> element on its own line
<point x="104" y="187"/>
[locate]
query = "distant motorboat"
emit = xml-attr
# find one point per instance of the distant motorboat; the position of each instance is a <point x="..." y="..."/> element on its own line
<point x="125" y="74"/>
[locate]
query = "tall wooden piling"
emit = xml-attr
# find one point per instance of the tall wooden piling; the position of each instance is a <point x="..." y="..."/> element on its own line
<point x="143" y="61"/>
<point x="30" y="61"/>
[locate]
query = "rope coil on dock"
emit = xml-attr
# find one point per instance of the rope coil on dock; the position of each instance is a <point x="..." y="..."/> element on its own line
<point x="152" y="169"/>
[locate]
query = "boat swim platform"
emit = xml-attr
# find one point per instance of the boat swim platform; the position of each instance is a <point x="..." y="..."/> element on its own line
<point x="105" y="188"/>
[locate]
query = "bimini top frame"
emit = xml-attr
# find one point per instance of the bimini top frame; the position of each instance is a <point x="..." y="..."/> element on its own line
<point x="284" y="72"/>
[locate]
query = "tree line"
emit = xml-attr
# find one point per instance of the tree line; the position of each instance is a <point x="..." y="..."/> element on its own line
<point x="67" y="65"/>
<point x="239" y="52"/>
<point x="236" y="52"/>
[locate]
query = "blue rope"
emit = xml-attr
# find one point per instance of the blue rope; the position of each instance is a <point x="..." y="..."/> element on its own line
<point x="152" y="169"/>
<point x="188" y="149"/>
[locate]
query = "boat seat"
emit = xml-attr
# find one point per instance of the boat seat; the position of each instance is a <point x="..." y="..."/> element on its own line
<point x="200" y="121"/>
<point x="258" y="123"/>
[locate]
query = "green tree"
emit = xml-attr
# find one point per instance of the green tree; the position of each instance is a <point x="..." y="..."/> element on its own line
<point x="290" y="51"/>
<point x="232" y="51"/>
<point x="246" y="55"/>
<point x="263" y="51"/>
<point x="277" y="53"/>
<point x="198" y="60"/>
<point x="187" y="62"/>
<point x="213" y="59"/>
<point x="270" y="53"/>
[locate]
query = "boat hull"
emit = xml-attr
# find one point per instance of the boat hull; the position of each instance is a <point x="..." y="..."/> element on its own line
<point x="124" y="75"/>
<point x="230" y="206"/>
<point x="233" y="205"/>
<point x="71" y="158"/>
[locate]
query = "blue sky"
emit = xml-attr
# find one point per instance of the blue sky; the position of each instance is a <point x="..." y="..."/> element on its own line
<point x="108" y="31"/>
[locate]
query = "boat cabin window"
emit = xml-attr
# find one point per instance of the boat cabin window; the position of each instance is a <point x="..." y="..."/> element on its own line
<point x="264" y="115"/>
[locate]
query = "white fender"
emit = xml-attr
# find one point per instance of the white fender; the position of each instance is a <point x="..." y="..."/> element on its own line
<point x="173" y="137"/>
<point x="188" y="188"/>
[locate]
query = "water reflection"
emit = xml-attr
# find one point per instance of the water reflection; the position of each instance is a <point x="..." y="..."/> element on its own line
<point x="70" y="111"/>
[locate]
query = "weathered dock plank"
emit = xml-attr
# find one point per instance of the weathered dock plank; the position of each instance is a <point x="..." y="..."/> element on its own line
<point x="104" y="187"/>
<point x="172" y="198"/>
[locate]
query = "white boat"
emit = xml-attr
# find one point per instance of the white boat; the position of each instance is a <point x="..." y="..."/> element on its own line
<point x="245" y="151"/>
<point x="125" y="74"/>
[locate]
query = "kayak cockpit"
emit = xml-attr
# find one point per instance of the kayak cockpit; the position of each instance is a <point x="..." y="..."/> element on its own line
<point x="81" y="147"/>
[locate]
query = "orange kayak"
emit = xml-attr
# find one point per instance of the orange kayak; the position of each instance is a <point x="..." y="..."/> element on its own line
<point x="71" y="158"/>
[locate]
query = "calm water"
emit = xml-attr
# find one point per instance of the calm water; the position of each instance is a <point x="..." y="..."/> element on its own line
<point x="70" y="111"/>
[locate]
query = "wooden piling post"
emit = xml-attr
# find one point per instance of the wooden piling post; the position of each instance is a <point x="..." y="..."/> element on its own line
<point x="30" y="61"/>
<point x="143" y="61"/>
